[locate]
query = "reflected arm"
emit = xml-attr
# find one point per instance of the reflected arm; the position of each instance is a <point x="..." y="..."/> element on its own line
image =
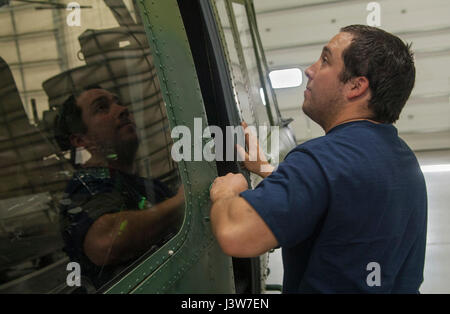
<point x="118" y="237"/>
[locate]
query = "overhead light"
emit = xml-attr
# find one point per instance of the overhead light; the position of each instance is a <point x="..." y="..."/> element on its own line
<point x="435" y="168"/>
<point x="286" y="78"/>
<point x="124" y="43"/>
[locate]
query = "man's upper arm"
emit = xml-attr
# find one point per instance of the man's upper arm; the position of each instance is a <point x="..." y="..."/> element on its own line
<point x="98" y="240"/>
<point x="85" y="214"/>
<point x="292" y="200"/>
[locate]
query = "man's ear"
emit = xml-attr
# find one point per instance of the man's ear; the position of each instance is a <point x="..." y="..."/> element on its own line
<point x="357" y="87"/>
<point x="78" y="140"/>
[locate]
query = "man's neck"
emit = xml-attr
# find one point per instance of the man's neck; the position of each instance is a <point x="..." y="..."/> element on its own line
<point x="342" y="121"/>
<point x="349" y="113"/>
<point x="126" y="168"/>
<point x="129" y="168"/>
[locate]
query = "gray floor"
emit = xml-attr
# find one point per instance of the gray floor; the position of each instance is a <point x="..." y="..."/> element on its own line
<point x="437" y="259"/>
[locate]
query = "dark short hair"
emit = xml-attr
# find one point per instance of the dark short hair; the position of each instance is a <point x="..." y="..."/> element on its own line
<point x="387" y="62"/>
<point x="69" y="120"/>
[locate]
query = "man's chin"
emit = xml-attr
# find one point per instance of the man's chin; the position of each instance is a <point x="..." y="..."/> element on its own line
<point x="305" y="108"/>
<point x="313" y="115"/>
<point x="127" y="148"/>
<point x="127" y="134"/>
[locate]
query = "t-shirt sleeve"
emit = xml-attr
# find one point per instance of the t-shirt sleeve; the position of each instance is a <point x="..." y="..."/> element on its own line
<point x="293" y="199"/>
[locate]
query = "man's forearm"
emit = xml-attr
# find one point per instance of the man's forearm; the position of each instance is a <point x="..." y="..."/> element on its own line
<point x="220" y="214"/>
<point x="130" y="233"/>
<point x="227" y="214"/>
<point x="239" y="230"/>
<point x="139" y="230"/>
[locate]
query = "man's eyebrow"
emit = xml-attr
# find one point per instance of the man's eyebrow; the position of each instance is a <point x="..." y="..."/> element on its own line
<point x="325" y="49"/>
<point x="115" y="97"/>
<point x="100" y="98"/>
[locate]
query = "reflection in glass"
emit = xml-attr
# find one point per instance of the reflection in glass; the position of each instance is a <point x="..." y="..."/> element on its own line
<point x="239" y="81"/>
<point x="86" y="172"/>
<point x="251" y="64"/>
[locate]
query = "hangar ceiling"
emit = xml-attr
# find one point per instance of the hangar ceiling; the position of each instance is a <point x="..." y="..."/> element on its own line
<point x="37" y="44"/>
<point x="293" y="33"/>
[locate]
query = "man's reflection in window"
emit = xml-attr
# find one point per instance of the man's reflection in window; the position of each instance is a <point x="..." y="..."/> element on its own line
<point x="109" y="215"/>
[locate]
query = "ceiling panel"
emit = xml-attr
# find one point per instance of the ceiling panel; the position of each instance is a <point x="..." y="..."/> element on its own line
<point x="8" y="51"/>
<point x="5" y="24"/>
<point x="35" y="49"/>
<point x="320" y="23"/>
<point x="27" y="23"/>
<point x="294" y="32"/>
<point x="273" y="7"/>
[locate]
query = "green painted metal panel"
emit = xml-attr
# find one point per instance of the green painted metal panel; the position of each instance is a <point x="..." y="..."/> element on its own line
<point x="191" y="262"/>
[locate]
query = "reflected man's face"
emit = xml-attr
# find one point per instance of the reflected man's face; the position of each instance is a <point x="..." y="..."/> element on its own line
<point x="110" y="126"/>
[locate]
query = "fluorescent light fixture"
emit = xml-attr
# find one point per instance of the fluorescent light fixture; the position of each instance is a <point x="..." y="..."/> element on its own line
<point x="124" y="43"/>
<point x="261" y="93"/>
<point x="286" y="78"/>
<point x="435" y="168"/>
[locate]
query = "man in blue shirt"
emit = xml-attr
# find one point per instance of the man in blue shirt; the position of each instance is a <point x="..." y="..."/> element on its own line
<point x="348" y="209"/>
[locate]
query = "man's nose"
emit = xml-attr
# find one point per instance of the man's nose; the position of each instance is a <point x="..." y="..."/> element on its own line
<point x="123" y="112"/>
<point x="309" y="72"/>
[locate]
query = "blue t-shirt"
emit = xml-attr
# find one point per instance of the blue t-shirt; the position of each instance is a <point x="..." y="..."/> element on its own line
<point x="349" y="210"/>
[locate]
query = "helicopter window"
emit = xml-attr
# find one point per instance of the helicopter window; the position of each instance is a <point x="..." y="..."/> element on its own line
<point x="240" y="82"/>
<point x="87" y="183"/>
<point x="267" y="93"/>
<point x="251" y="63"/>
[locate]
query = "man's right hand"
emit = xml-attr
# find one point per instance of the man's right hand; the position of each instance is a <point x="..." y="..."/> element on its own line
<point x="255" y="160"/>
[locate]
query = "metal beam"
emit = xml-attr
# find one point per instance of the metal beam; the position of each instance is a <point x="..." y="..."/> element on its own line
<point x="413" y="100"/>
<point x="19" y="57"/>
<point x="402" y="34"/>
<point x="34" y="91"/>
<point x="16" y="8"/>
<point x="37" y="63"/>
<point x="432" y="53"/>
<point x="419" y="54"/>
<point x="16" y="36"/>
<point x="323" y="4"/>
<point x="59" y="38"/>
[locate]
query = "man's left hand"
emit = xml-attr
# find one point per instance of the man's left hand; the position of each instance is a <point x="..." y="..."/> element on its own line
<point x="228" y="186"/>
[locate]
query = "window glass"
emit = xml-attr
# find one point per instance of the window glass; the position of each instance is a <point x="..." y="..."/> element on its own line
<point x="87" y="182"/>
<point x="271" y="96"/>
<point x="244" y="69"/>
<point x="251" y="64"/>
<point x="240" y="84"/>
